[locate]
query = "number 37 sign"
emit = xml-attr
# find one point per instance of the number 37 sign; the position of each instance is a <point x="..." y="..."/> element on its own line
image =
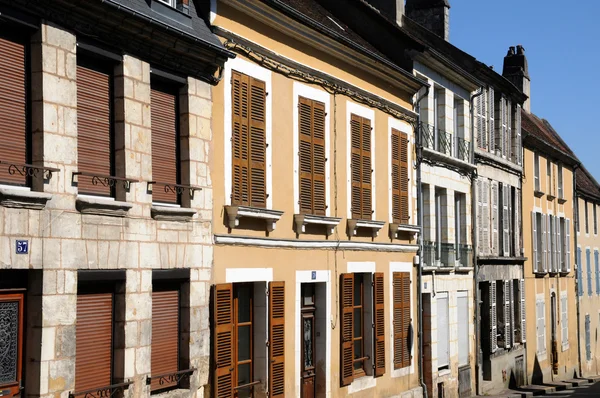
<point x="22" y="247"/>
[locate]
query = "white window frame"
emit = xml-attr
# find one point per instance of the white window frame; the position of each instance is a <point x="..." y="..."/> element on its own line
<point x="561" y="193"/>
<point x="400" y="267"/>
<point x="536" y="172"/>
<point x="564" y="320"/>
<point x="368" y="113"/>
<point x="170" y="3"/>
<point x="302" y="90"/>
<point x="403" y="127"/>
<point x="260" y="73"/>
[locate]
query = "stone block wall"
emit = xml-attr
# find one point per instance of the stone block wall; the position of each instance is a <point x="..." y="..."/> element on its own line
<point x="64" y="242"/>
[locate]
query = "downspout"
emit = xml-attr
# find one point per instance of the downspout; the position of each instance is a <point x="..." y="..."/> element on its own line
<point x="419" y="150"/>
<point x="576" y="225"/>
<point x="474" y="241"/>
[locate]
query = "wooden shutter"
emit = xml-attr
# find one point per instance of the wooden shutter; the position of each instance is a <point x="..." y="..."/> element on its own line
<point x="240" y="194"/>
<point x="534" y="242"/>
<point x="401" y="286"/>
<point x="379" y="310"/>
<point x="495" y="218"/>
<point x="93" y="341"/>
<point x="544" y="246"/>
<point x="165" y="336"/>
<point x="13" y="102"/>
<point x="479" y="122"/>
<point x="491" y="114"/>
<point x="507" y="292"/>
<point x="277" y="339"/>
<point x="223" y="340"/>
<point x="508" y="136"/>
<point x="522" y="312"/>
<point x="505" y="220"/>
<point x="493" y="318"/>
<point x="347" y="324"/>
<point x="517" y="222"/>
<point x="400" y="178"/>
<point x="311" y="119"/>
<point x="568" y="244"/>
<point x="518" y="143"/>
<point x="485" y="216"/>
<point x="94" y="128"/>
<point x="165" y="142"/>
<point x="361" y="167"/>
<point x="501" y="128"/>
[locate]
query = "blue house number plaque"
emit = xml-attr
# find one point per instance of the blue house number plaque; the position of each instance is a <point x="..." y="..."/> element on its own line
<point x="22" y="247"/>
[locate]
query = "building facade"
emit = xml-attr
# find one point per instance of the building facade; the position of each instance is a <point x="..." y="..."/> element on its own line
<point x="315" y="207"/>
<point x="105" y="198"/>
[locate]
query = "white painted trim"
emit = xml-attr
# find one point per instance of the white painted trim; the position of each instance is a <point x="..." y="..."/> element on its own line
<point x="361" y="384"/>
<point x="257" y="72"/>
<point x="403" y="127"/>
<point x="306" y="277"/>
<point x="401" y="267"/>
<point x="313" y="244"/>
<point x="362" y="266"/>
<point x="235" y="275"/>
<point x="359" y="110"/>
<point x="303" y="90"/>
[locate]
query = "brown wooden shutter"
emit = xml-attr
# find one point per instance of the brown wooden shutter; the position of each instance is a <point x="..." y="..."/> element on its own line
<point x="401" y="286"/>
<point x="277" y="339"/>
<point x="347" y="324"/>
<point x="13" y="103"/>
<point x="165" y="336"/>
<point x="367" y="170"/>
<point x="240" y="194"/>
<point x="379" y="310"/>
<point x="223" y="340"/>
<point x="360" y="129"/>
<point x="400" y="177"/>
<point x="94" y="130"/>
<point x="404" y="214"/>
<point x="165" y="142"/>
<point x="311" y="119"/>
<point x="258" y="144"/>
<point x="93" y="341"/>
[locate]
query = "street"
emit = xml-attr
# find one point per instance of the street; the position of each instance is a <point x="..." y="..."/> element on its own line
<point x="592" y="390"/>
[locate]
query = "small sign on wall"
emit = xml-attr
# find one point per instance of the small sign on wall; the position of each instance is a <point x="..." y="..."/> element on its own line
<point x="313" y="275"/>
<point x="22" y="247"/>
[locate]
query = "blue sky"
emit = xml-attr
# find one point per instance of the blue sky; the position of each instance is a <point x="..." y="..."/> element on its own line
<point x="562" y="44"/>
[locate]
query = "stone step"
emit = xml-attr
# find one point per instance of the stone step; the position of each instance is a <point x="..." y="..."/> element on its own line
<point x="537" y="389"/>
<point x="578" y="382"/>
<point x="560" y="385"/>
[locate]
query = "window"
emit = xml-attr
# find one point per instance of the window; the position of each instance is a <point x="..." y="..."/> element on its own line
<point x="597" y="269"/>
<point x="483" y="216"/>
<point x="11" y="308"/>
<point x="402" y="319"/>
<point x="14" y="97"/>
<point x="517" y="151"/>
<point x="505" y="313"/>
<point x="95" y="134"/>
<point x="588" y="255"/>
<point x="504" y="127"/>
<point x="311" y="119"/>
<point x="463" y="328"/>
<point x="460" y="229"/>
<point x="577" y="208"/>
<point x="595" y="220"/>
<point x="495" y="218"/>
<point x="519" y="324"/>
<point x="540" y="314"/>
<point x="536" y="165"/>
<point x="491" y="113"/>
<point x="400" y="179"/>
<point x="561" y="194"/>
<point x="588" y="348"/>
<point x="564" y="320"/>
<point x="505" y="221"/>
<point x="170" y="3"/>
<point x="579" y="273"/>
<point x="549" y="187"/>
<point x="164" y="111"/>
<point x="565" y="245"/>
<point x="443" y="327"/>
<point x="439" y="218"/>
<point x="481" y="121"/>
<point x="489" y="317"/>
<point x="248" y="141"/>
<point x="585" y="210"/>
<point x="538" y="222"/>
<point x="361" y="168"/>
<point x="552" y="247"/>
<point x="363" y="339"/>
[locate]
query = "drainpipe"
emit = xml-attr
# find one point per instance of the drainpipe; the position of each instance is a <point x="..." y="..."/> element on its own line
<point x="419" y="150"/>
<point x="474" y="241"/>
<point x="576" y="225"/>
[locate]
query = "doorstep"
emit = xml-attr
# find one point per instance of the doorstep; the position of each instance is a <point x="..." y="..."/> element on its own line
<point x="537" y="389"/>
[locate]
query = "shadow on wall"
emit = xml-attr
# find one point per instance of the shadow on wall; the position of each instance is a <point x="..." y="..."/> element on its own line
<point x="537" y="377"/>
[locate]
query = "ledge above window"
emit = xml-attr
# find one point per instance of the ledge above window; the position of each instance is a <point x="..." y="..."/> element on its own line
<point x="562" y="201"/>
<point x="172" y="213"/>
<point x="550" y="197"/>
<point x="301" y="220"/>
<point x="374" y="226"/>
<point x="102" y="206"/>
<point x="234" y="213"/>
<point x="23" y="198"/>
<point x="395" y="228"/>
<point x="538" y="194"/>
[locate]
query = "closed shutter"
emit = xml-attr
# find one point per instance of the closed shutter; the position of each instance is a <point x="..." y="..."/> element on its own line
<point x="544" y="245"/>
<point x="541" y="326"/>
<point x="501" y="128"/>
<point x="568" y="244"/>
<point x="516" y="144"/>
<point x="493" y="318"/>
<point x="481" y="143"/>
<point x="508" y="136"/>
<point x="463" y="328"/>
<point x="597" y="269"/>
<point x="379" y="309"/>
<point x="522" y="312"/>
<point x="165" y="145"/>
<point x="165" y="336"/>
<point x="517" y="222"/>
<point x="401" y="286"/>
<point x="588" y="260"/>
<point x="346" y="351"/>
<point x="564" y="321"/>
<point x="588" y="348"/>
<point x="443" y="343"/>
<point x="534" y="242"/>
<point x="505" y="220"/>
<point x="223" y="340"/>
<point x="491" y="113"/>
<point x="507" y="292"/>
<point x="579" y="273"/>
<point x="560" y="231"/>
<point x="479" y="225"/>
<point x="311" y="119"/>
<point x="277" y="339"/>
<point x="93" y="341"/>
<point x="495" y="219"/>
<point x="361" y="168"/>
<point x="94" y="128"/>
<point x="485" y="216"/>
<point x="400" y="178"/>
<point x="13" y="102"/>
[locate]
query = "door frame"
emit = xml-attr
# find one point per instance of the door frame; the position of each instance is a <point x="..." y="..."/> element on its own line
<point x="19" y="296"/>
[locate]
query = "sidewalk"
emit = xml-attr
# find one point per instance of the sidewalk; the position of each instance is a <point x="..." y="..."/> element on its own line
<point x="583" y="387"/>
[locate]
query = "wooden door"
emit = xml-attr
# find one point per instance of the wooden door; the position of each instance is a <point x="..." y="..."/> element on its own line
<point x="11" y="343"/>
<point x="307" y="333"/>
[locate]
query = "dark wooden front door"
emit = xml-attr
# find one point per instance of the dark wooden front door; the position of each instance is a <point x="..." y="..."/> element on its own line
<point x="307" y="332"/>
<point x="11" y="343"/>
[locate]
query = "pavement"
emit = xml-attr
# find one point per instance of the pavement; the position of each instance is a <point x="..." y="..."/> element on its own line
<point x="577" y="388"/>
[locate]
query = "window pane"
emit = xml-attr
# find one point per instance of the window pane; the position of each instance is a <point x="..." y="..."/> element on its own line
<point x="358" y="353"/>
<point x="244" y="302"/>
<point x="308" y="342"/>
<point x="244" y="337"/>
<point x="244" y="377"/>
<point x="357" y="322"/>
<point x="358" y="289"/>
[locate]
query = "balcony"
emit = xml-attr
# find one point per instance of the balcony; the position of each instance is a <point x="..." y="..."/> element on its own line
<point x="447" y="255"/>
<point x="463" y="149"/>
<point x="464" y="256"/>
<point x="439" y="145"/>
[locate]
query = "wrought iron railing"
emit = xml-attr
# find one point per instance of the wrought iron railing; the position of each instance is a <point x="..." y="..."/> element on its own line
<point x="429" y="254"/>
<point x="106" y="180"/>
<point x="428" y="135"/>
<point x="29" y="170"/>
<point x="464" y="255"/>
<point x="444" y="142"/>
<point x="463" y="149"/>
<point x="102" y="392"/>
<point x="436" y="254"/>
<point x="447" y="254"/>
<point x="437" y="140"/>
<point x="174" y="188"/>
<point x="170" y="378"/>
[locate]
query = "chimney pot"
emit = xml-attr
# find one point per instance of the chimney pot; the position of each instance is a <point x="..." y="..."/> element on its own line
<point x="516" y="70"/>
<point x="431" y="14"/>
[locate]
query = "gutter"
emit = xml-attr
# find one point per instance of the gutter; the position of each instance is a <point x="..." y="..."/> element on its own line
<point x="576" y="225"/>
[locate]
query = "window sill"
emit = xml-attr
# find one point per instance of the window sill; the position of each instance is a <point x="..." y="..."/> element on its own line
<point x="462" y="269"/>
<point x="301" y="220"/>
<point x="395" y="228"/>
<point x="538" y="194"/>
<point x="362" y="383"/>
<point x="170" y="213"/>
<point x="550" y="197"/>
<point x="444" y="372"/>
<point x="562" y="201"/>
<point x="234" y="213"/>
<point x="374" y="226"/>
<point x="23" y="199"/>
<point x="102" y="207"/>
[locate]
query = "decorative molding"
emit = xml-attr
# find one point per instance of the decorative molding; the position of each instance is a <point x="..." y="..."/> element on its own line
<point x="550" y="197"/>
<point x="538" y="194"/>
<point x="301" y="220"/>
<point x="562" y="201"/>
<point x="395" y="228"/>
<point x="102" y="206"/>
<point x="104" y="180"/>
<point x="23" y="199"/>
<point x="234" y="213"/>
<point x="171" y="213"/>
<point x="178" y="189"/>
<point x="374" y="226"/>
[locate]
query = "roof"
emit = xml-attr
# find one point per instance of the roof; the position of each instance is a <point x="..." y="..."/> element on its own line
<point x="543" y="131"/>
<point x="586" y="184"/>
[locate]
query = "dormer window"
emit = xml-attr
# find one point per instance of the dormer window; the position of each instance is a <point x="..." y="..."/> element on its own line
<point x="170" y="3"/>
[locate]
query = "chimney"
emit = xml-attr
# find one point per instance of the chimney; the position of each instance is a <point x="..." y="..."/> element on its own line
<point x="516" y="70"/>
<point x="392" y="9"/>
<point x="432" y="14"/>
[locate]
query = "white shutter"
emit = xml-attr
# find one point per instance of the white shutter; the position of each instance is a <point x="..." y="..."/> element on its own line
<point x="560" y="225"/>
<point x="443" y="329"/>
<point x="505" y="220"/>
<point x="544" y="245"/>
<point x="534" y="241"/>
<point x="517" y="142"/>
<point x="491" y="115"/>
<point x="517" y="222"/>
<point x="522" y="312"/>
<point x="480" y="214"/>
<point x="568" y="244"/>
<point x="555" y="242"/>
<point x="501" y="127"/>
<point x="495" y="219"/>
<point x="485" y="216"/>
<point x="564" y="320"/>
<point x="479" y="121"/>
<point x="541" y="326"/>
<point x="493" y="318"/>
<point x="509" y="139"/>
<point x="463" y="328"/>
<point x="507" y="329"/>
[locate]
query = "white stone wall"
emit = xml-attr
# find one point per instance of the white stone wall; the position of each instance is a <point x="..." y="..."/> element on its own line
<point x="63" y="241"/>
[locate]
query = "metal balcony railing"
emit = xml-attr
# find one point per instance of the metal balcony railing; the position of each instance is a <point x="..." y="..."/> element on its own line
<point x="428" y="134"/>
<point x="436" y="254"/>
<point x="464" y="255"/>
<point x="463" y="149"/>
<point x="436" y="140"/>
<point x="444" y="142"/>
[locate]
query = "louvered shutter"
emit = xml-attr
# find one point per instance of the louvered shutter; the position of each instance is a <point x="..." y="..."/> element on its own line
<point x="522" y="312"/>
<point x="479" y="121"/>
<point x="443" y="327"/>
<point x="277" y="339"/>
<point x="484" y="120"/>
<point x="579" y="266"/>
<point x="588" y="260"/>
<point x="311" y="118"/>
<point x="223" y="340"/>
<point x="517" y="222"/>
<point x="568" y="244"/>
<point x="508" y="136"/>
<point x="346" y="351"/>
<point x="597" y="271"/>
<point x="564" y="321"/>
<point x="400" y="177"/>
<point x="534" y="242"/>
<point x="165" y="137"/>
<point x="516" y="144"/>
<point x="486" y="216"/>
<point x="544" y="245"/>
<point x="361" y="168"/>
<point x="491" y="113"/>
<point x="479" y="226"/>
<point x="501" y="128"/>
<point x="560" y="225"/>
<point x="401" y="286"/>
<point x="258" y="143"/>
<point x="93" y="341"/>
<point x="493" y="318"/>
<point x="588" y="347"/>
<point x="495" y="219"/>
<point x="13" y="102"/>
<point x="379" y="310"/>
<point x="94" y="130"/>
<point x="505" y="220"/>
<point x="165" y="336"/>
<point x="507" y="292"/>
<point x="555" y="241"/>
